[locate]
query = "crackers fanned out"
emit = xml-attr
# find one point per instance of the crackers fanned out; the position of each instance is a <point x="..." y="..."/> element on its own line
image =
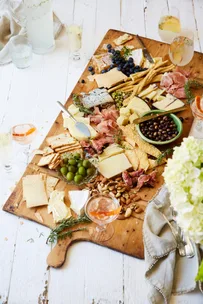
<point x="60" y="140"/>
<point x="131" y="155"/>
<point x="132" y="136"/>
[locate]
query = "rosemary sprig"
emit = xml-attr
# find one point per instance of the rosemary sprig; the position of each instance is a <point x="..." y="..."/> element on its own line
<point x="163" y="155"/>
<point x="126" y="52"/>
<point x="56" y="233"/>
<point x="191" y="84"/>
<point x="69" y="233"/>
<point x="78" y="104"/>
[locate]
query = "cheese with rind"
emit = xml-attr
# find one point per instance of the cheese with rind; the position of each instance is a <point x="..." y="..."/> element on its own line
<point x="111" y="150"/>
<point x="78" y="199"/>
<point x="57" y="206"/>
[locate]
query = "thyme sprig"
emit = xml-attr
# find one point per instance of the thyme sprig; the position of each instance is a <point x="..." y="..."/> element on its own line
<point x="163" y="155"/>
<point x="78" y="104"/>
<point x="126" y="52"/>
<point x="191" y="84"/>
<point x="58" y="232"/>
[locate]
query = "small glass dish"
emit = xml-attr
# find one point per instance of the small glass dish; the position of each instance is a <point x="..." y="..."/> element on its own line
<point x="20" y="51"/>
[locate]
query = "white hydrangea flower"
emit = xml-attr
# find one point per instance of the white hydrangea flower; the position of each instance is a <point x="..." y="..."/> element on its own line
<point x="183" y="176"/>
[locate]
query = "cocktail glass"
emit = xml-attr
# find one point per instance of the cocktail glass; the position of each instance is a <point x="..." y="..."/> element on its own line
<point x="169" y="24"/>
<point x="74" y="32"/>
<point x="102" y="210"/>
<point x="181" y="50"/>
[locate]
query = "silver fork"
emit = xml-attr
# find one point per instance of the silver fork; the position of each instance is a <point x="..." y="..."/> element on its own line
<point x="189" y="247"/>
<point x="176" y="234"/>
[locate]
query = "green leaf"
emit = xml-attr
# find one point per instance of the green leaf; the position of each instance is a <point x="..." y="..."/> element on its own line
<point x="187" y="88"/>
<point x="199" y="276"/>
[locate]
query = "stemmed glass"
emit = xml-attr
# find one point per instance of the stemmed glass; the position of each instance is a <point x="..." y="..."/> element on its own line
<point x="181" y="50"/>
<point x="102" y="210"/>
<point x="74" y="32"/>
<point x="169" y="24"/>
<point x="197" y="111"/>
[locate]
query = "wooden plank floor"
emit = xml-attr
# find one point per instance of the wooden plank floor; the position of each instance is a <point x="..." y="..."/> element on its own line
<point x="91" y="274"/>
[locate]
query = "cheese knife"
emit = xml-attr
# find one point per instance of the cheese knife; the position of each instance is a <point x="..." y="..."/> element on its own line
<point x="79" y="125"/>
<point x="145" y="51"/>
<point x="149" y="117"/>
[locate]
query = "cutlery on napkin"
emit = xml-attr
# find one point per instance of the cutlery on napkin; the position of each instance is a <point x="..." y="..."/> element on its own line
<point x="167" y="272"/>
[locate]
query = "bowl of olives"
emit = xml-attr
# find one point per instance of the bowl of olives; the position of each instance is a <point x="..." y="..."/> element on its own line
<point x="160" y="130"/>
<point x="77" y="170"/>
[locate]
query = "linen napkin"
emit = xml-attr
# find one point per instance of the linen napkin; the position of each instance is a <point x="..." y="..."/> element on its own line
<point x="9" y="27"/>
<point x="167" y="272"/>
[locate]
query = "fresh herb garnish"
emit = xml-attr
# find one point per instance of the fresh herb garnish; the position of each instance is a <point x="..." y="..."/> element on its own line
<point x="126" y="52"/>
<point x="118" y="137"/>
<point x="57" y="233"/>
<point x="78" y="104"/>
<point x="69" y="233"/>
<point x="191" y="84"/>
<point x="163" y="155"/>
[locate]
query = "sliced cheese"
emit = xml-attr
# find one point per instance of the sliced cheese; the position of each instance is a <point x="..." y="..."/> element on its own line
<point x="176" y="104"/>
<point x="114" y="165"/>
<point x="162" y="105"/>
<point x="57" y="206"/>
<point x="85" y="120"/>
<point x="70" y="125"/>
<point x="111" y="150"/>
<point x="78" y="199"/>
<point x="150" y="95"/>
<point x="125" y="111"/>
<point x="138" y="105"/>
<point x="34" y="191"/>
<point x="158" y="94"/>
<point x="73" y="109"/>
<point x="150" y="89"/>
<point x="110" y="78"/>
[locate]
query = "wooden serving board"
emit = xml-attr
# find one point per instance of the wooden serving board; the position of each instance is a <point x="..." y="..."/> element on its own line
<point x="127" y="237"/>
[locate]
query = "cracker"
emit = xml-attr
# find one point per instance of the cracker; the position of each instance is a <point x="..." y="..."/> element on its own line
<point x="143" y="159"/>
<point x="60" y="140"/>
<point x="38" y="152"/>
<point x="123" y="39"/>
<point x="47" y="151"/>
<point x="46" y="160"/>
<point x="55" y="158"/>
<point x="51" y="183"/>
<point x="55" y="165"/>
<point x="131" y="155"/>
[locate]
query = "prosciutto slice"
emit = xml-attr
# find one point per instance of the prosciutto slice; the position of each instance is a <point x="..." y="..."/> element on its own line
<point x="174" y="83"/>
<point x="139" y="178"/>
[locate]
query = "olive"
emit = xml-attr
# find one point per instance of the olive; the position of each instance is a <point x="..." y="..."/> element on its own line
<point x="65" y="160"/>
<point x="64" y="170"/>
<point x="80" y="163"/>
<point x="72" y="169"/>
<point x="77" y="155"/>
<point x="82" y="171"/>
<point x="72" y="162"/>
<point x="78" y="179"/>
<point x="70" y="176"/>
<point x="90" y="171"/>
<point x="86" y="163"/>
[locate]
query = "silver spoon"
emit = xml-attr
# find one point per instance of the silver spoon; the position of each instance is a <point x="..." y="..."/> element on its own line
<point x="79" y="125"/>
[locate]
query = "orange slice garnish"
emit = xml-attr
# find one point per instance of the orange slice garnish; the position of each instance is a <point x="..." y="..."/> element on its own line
<point x="198" y="103"/>
<point x="99" y="214"/>
<point x="30" y="131"/>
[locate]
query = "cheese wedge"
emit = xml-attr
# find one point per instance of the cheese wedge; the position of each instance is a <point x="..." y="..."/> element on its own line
<point x="138" y="105"/>
<point x="111" y="150"/>
<point x="114" y="165"/>
<point x="133" y="117"/>
<point x="122" y="120"/>
<point x="34" y="191"/>
<point x="150" y="89"/>
<point x="110" y="78"/>
<point x="176" y="104"/>
<point x="70" y="125"/>
<point x="78" y="199"/>
<point x="73" y="109"/>
<point x="57" y="206"/>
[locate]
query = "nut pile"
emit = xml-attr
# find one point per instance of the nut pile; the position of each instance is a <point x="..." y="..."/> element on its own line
<point x="162" y="128"/>
<point x="125" y="195"/>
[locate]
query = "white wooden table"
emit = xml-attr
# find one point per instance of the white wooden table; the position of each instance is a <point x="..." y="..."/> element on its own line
<point x="91" y="274"/>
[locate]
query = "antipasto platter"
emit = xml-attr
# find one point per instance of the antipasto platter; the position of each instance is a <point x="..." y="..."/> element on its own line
<point x="121" y="158"/>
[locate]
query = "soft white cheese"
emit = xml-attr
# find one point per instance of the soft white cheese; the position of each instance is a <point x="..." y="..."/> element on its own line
<point x="78" y="198"/>
<point x="57" y="206"/>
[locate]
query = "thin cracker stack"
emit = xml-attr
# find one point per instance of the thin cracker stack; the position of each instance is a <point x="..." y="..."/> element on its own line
<point x="60" y="140"/>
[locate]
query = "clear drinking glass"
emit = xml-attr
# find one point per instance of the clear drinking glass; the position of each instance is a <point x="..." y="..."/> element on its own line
<point x="102" y="210"/>
<point x="6" y="147"/>
<point x="39" y="25"/>
<point x="74" y="32"/>
<point x="169" y="24"/>
<point x="181" y="50"/>
<point x="21" y="51"/>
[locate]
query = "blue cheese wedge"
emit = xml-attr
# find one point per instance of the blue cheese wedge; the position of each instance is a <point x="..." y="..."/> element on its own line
<point x="96" y="97"/>
<point x="78" y="199"/>
<point x="57" y="206"/>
